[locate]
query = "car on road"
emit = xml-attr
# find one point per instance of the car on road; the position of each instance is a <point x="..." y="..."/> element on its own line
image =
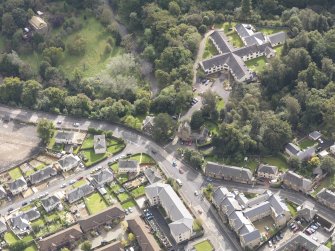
<point x="76" y="124"/>
<point x="63" y="185"/>
<point x="174" y="163"/>
<point x="154" y="151"/>
<point x="129" y="154"/>
<point x="181" y="171"/>
<point x="196" y="193"/>
<point x="59" y="122"/>
<point x="270" y="243"/>
<point x="80" y="178"/>
<point x="24" y="203"/>
<point x="209" y="179"/>
<point x="10" y="209"/>
<point x="72" y="182"/>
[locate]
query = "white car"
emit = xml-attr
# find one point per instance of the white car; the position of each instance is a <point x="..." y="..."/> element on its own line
<point x="63" y="185"/>
<point x="59" y="122"/>
<point x="76" y="124"/>
<point x="196" y="193"/>
<point x="72" y="182"/>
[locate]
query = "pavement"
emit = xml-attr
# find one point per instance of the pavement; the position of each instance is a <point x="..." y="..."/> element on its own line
<point x="192" y="180"/>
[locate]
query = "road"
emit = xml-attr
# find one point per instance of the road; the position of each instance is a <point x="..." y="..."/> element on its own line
<point x="191" y="179"/>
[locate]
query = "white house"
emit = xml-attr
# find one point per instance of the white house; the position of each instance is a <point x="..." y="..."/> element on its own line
<point x="181" y="226"/>
<point x="100" y="144"/>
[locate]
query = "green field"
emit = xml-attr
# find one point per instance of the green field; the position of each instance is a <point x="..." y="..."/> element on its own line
<point x="226" y="25"/>
<point x="204" y="246"/>
<point x="88" y="142"/>
<point x="95" y="203"/>
<point x="210" y="50"/>
<point x="256" y="64"/>
<point x="138" y="192"/>
<point x="79" y="183"/>
<point x="10" y="238"/>
<point x="306" y="142"/>
<point x="93" y="61"/>
<point x="15" y="173"/>
<point x="278" y="161"/>
<point x="128" y="204"/>
<point x="234" y="39"/>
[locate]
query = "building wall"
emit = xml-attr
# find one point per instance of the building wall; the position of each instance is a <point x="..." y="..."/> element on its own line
<point x="252" y="244"/>
<point x="100" y="151"/>
<point x="266" y="175"/>
<point x="182" y="237"/>
<point x="326" y="203"/>
<point x="128" y="170"/>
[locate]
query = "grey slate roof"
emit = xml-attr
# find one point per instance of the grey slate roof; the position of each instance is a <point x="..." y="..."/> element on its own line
<point x="257" y="38"/>
<point x="256" y="210"/>
<point x="128" y="164"/>
<point x="297" y="180"/>
<point x="301" y="240"/>
<point x="79" y="192"/>
<point x="278" y="205"/>
<point x="267" y="169"/>
<point x="220" y="40"/>
<point x="238" y="220"/>
<point x="231" y="171"/>
<point x="102" y="177"/>
<point x="306" y="210"/>
<point x="50" y="201"/>
<point x="251" y="236"/>
<point x="21" y="182"/>
<point x="152" y="175"/>
<point x="68" y="160"/>
<point x="64" y="135"/>
<point x="21" y="221"/>
<point x="278" y="37"/>
<point x="326" y="195"/>
<point x="292" y="148"/>
<point x="315" y="135"/>
<point x="230" y="205"/>
<point x="42" y="174"/>
<point x="244" y="30"/>
<point x="99" y="142"/>
<point x="219" y="194"/>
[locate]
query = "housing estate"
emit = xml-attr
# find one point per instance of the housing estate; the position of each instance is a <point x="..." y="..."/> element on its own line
<point x="67" y="162"/>
<point x="327" y="198"/>
<point x="42" y="175"/>
<point x="296" y="182"/>
<point x="79" y="192"/>
<point x="294" y="150"/>
<point x="128" y="166"/>
<point x="100" y="144"/>
<point x="50" y="203"/>
<point x="181" y="226"/>
<point x="108" y="216"/>
<point x="17" y="186"/>
<point x="267" y="171"/>
<point x="256" y="44"/>
<point x="241" y="212"/>
<point x="143" y="236"/>
<point x="101" y="178"/>
<point x="64" y="238"/>
<point x="238" y="174"/>
<point x="20" y="223"/>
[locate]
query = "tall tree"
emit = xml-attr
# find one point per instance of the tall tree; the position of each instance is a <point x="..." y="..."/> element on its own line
<point x="164" y="127"/>
<point x="45" y="130"/>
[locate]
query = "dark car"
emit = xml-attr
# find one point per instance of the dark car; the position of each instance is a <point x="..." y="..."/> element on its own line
<point x="24" y="203"/>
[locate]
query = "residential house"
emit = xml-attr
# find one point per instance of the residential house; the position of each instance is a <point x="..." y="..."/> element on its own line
<point x="108" y="216"/>
<point x="152" y="175"/>
<point x="301" y="241"/>
<point x="128" y="166"/>
<point x="294" y="150"/>
<point x="17" y="186"/>
<point x="258" y="212"/>
<point x="238" y="174"/>
<point x="38" y="24"/>
<point x="114" y="246"/>
<point x="50" y="203"/>
<point x="64" y="137"/>
<point x="204" y="134"/>
<point x="143" y="236"/>
<point x="315" y="135"/>
<point x="256" y="44"/>
<point x="68" y="162"/>
<point x="42" y="175"/>
<point x="327" y="198"/>
<point x="20" y="223"/>
<point x="3" y="226"/>
<point x="148" y="125"/>
<point x="307" y="210"/>
<point x="219" y="195"/>
<point x="181" y="226"/>
<point x="3" y="192"/>
<point x="184" y="131"/>
<point x="296" y="182"/>
<point x="65" y="238"/>
<point x="101" y="178"/>
<point x="100" y="146"/>
<point x="267" y="171"/>
<point x="79" y="192"/>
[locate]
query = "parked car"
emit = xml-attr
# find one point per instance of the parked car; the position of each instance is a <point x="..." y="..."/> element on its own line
<point x="63" y="185"/>
<point x="59" y="122"/>
<point x="270" y="243"/>
<point x="196" y="193"/>
<point x="80" y="178"/>
<point x="209" y="179"/>
<point x="76" y="124"/>
<point x="72" y="182"/>
<point x="24" y="203"/>
<point x="267" y="228"/>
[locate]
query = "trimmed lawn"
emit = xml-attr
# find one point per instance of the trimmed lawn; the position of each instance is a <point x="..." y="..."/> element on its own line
<point x="212" y="127"/>
<point x="122" y="178"/>
<point x="306" y="142"/>
<point x="277" y="160"/>
<point x="123" y="197"/>
<point x="95" y="203"/>
<point x="114" y="167"/>
<point x="196" y="227"/>
<point x="79" y="183"/>
<point x="115" y="188"/>
<point x="292" y="208"/>
<point x="138" y="192"/>
<point x="26" y="208"/>
<point x="210" y="50"/>
<point x="128" y="204"/>
<point x="10" y="238"/>
<point x="329" y="244"/>
<point x="52" y="142"/>
<point x="269" y="31"/>
<point x="256" y="64"/>
<point x="115" y="148"/>
<point x="142" y="158"/>
<point x="234" y="39"/>
<point x="325" y="183"/>
<point x="219" y="105"/>
<point x="15" y="173"/>
<point x="31" y="248"/>
<point x="226" y="25"/>
<point x="88" y="142"/>
<point x="204" y="246"/>
<point x="91" y="157"/>
<point x="279" y="50"/>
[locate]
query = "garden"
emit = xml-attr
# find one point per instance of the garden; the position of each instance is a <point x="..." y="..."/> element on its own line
<point x="95" y="203"/>
<point x="205" y="245"/>
<point x="15" y="173"/>
<point x="138" y="192"/>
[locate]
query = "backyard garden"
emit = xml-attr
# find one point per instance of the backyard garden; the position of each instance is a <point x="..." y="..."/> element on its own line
<point x="95" y="203"/>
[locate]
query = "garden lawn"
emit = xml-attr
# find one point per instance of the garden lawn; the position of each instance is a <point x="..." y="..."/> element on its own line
<point x="142" y="158"/>
<point x="128" y="204"/>
<point x="204" y="246"/>
<point x="219" y="105"/>
<point x="115" y="148"/>
<point x="196" y="227"/>
<point x="123" y="197"/>
<point x="95" y="203"/>
<point x="88" y="142"/>
<point x="306" y="142"/>
<point x="115" y="188"/>
<point x="292" y="208"/>
<point x="32" y="247"/>
<point x="278" y="50"/>
<point x="114" y="167"/>
<point x="210" y="50"/>
<point x="15" y="173"/>
<point x="138" y="192"/>
<point x="93" y="158"/>
<point x="122" y="178"/>
<point x="234" y="39"/>
<point x="325" y="183"/>
<point x="277" y="160"/>
<point x="79" y="183"/>
<point x="269" y="31"/>
<point x="256" y="64"/>
<point x="226" y="25"/>
<point x="10" y="238"/>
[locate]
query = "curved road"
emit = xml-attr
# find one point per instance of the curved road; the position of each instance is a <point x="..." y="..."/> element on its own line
<point x="192" y="180"/>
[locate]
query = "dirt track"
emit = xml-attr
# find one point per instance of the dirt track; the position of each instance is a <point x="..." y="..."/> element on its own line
<point x="17" y="142"/>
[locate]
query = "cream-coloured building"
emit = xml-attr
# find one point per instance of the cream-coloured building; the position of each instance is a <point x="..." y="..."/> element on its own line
<point x="38" y="24"/>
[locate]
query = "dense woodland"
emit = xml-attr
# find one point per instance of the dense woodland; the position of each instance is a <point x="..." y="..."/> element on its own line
<point x="295" y="93"/>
